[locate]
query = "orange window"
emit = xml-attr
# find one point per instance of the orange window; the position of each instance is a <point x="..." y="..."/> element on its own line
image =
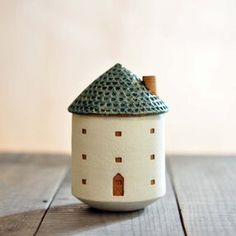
<point x="152" y="131"/>
<point x="152" y="157"/>
<point x="118" y="133"/>
<point x="118" y="159"/>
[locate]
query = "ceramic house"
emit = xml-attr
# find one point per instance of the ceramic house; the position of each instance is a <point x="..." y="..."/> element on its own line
<point x="118" y="151"/>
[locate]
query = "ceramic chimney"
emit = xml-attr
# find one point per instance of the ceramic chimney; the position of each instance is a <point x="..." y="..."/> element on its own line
<point x="150" y="83"/>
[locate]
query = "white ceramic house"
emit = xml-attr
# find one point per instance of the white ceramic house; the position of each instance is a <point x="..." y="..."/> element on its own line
<point x="118" y="151"/>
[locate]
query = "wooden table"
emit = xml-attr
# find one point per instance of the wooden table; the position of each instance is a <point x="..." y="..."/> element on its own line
<point x="35" y="199"/>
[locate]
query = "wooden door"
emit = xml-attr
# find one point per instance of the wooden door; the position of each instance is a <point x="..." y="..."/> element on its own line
<point x="118" y="185"/>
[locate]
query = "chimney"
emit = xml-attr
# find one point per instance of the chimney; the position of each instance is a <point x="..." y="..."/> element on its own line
<point x="150" y="83"/>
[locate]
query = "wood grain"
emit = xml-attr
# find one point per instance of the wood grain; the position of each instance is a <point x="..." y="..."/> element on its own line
<point x="28" y="183"/>
<point x="206" y="192"/>
<point x="35" y="199"/>
<point x="69" y="216"/>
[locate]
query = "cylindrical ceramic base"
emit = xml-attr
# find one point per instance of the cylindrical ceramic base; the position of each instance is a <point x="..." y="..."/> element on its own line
<point x="118" y="206"/>
<point x="118" y="163"/>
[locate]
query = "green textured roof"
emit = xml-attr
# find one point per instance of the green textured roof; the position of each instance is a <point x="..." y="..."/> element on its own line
<point x="118" y="91"/>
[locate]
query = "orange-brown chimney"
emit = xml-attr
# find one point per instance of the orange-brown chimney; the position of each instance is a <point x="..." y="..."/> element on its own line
<point x="150" y="83"/>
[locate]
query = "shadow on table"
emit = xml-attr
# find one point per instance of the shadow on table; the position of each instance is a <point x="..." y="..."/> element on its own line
<point x="64" y="220"/>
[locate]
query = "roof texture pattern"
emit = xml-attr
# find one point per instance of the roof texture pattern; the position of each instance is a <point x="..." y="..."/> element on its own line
<point x="117" y="92"/>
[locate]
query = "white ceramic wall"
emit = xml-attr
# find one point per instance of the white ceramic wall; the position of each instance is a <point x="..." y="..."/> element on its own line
<point x="51" y="50"/>
<point x="102" y="146"/>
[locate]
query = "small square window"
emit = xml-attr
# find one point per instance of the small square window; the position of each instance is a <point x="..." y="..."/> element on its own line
<point x="152" y="181"/>
<point x="152" y="157"/>
<point x="152" y="131"/>
<point x="118" y="159"/>
<point x="118" y="133"/>
<point x="84" y="131"/>
<point x="84" y="156"/>
<point x="83" y="181"/>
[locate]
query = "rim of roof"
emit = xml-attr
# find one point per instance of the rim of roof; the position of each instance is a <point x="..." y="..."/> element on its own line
<point x="117" y="92"/>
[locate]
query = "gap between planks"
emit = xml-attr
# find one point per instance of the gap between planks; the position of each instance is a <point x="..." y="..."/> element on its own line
<point x="205" y="189"/>
<point x="27" y="184"/>
<point x="175" y="194"/>
<point x="49" y="205"/>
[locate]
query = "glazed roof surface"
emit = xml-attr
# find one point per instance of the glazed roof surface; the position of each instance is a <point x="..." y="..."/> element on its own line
<point x="117" y="92"/>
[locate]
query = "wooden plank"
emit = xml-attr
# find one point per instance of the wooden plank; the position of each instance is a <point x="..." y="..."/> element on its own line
<point x="28" y="183"/>
<point x="69" y="216"/>
<point x="206" y="192"/>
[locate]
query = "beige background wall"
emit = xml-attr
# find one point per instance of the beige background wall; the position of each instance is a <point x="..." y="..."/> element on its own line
<point x="51" y="50"/>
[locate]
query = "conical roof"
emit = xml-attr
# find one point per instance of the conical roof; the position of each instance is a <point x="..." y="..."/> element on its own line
<point x="117" y="92"/>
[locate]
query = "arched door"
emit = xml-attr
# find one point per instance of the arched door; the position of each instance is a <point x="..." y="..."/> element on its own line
<point x="118" y="185"/>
